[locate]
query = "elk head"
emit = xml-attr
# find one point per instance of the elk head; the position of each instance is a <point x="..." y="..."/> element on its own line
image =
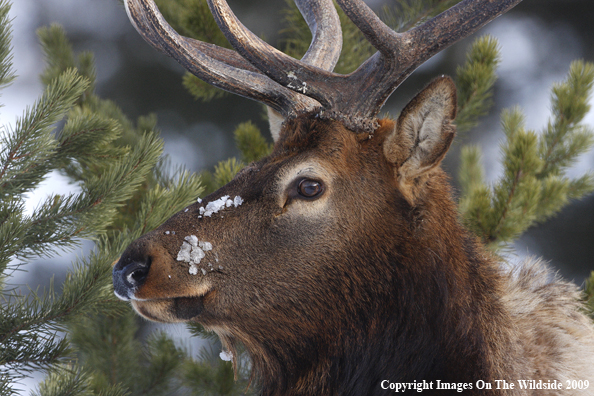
<point x="329" y="234"/>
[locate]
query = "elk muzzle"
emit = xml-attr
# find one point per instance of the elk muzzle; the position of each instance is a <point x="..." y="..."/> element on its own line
<point x="145" y="275"/>
<point x="131" y="271"/>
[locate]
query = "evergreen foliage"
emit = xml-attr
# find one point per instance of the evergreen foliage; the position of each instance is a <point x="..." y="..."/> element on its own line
<point x="128" y="188"/>
<point x="109" y="345"/>
<point x="475" y="80"/>
<point x="6" y="73"/>
<point x="29" y="152"/>
<point x="251" y="143"/>
<point x="252" y="146"/>
<point x="534" y="185"/>
<point x="72" y="131"/>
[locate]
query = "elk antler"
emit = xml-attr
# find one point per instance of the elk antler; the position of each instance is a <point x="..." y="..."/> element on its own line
<point x="227" y="70"/>
<point x="291" y="86"/>
<point x="358" y="97"/>
<point x="399" y="54"/>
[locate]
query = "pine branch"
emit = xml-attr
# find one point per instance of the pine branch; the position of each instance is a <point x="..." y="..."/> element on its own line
<point x="60" y="56"/>
<point x="476" y="196"/>
<point x="85" y="289"/>
<point x="578" y="188"/>
<point x="62" y="221"/>
<point x="475" y="82"/>
<point x="251" y="143"/>
<point x="64" y="381"/>
<point x="13" y="226"/>
<point x="165" y="360"/>
<point x="27" y="153"/>
<point x="225" y="171"/>
<point x="6" y="71"/>
<point x="534" y="186"/>
<point x="30" y="352"/>
<point x="5" y="388"/>
<point x="175" y="194"/>
<point x="564" y="138"/>
<point x="517" y="193"/>
<point x="107" y="344"/>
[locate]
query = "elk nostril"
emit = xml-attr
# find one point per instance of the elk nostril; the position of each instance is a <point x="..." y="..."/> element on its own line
<point x="136" y="274"/>
<point x="128" y="277"/>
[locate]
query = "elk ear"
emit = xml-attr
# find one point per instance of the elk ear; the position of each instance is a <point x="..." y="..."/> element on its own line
<point x="275" y="120"/>
<point x="423" y="134"/>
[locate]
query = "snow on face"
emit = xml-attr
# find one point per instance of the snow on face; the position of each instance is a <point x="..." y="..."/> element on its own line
<point x="193" y="251"/>
<point x="220" y="204"/>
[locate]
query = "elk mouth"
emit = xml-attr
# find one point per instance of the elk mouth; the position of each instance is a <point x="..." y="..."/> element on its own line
<point x="172" y="309"/>
<point x="186" y="308"/>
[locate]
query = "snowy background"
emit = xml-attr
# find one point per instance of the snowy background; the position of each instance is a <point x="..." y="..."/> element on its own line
<point x="538" y="39"/>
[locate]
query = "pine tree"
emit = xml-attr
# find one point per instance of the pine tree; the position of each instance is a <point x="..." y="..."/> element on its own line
<point x="128" y="189"/>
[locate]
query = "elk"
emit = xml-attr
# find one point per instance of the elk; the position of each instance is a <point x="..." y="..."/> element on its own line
<point x="339" y="261"/>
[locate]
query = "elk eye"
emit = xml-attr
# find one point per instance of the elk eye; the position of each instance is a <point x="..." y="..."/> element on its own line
<point x="310" y="188"/>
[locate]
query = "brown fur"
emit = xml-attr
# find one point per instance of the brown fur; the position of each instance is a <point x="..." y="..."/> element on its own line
<point x="373" y="280"/>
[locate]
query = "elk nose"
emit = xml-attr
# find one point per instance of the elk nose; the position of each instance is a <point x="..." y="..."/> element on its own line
<point x="128" y="275"/>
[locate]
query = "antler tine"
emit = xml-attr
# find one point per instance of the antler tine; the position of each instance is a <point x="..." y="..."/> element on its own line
<point x="323" y="52"/>
<point x="401" y="53"/>
<point x="454" y="24"/>
<point x="323" y="21"/>
<point x="215" y="65"/>
<point x="380" y="35"/>
<point x="292" y="73"/>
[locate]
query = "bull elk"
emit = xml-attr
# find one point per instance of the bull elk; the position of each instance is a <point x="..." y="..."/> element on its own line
<point x="339" y="261"/>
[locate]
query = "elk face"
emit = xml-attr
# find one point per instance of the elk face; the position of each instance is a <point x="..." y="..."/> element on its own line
<point x="290" y="233"/>
<point x="275" y="231"/>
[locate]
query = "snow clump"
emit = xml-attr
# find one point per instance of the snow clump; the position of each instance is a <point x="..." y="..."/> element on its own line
<point x="193" y="251"/>
<point x="219" y="204"/>
<point x="215" y="206"/>
<point x="226" y="356"/>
